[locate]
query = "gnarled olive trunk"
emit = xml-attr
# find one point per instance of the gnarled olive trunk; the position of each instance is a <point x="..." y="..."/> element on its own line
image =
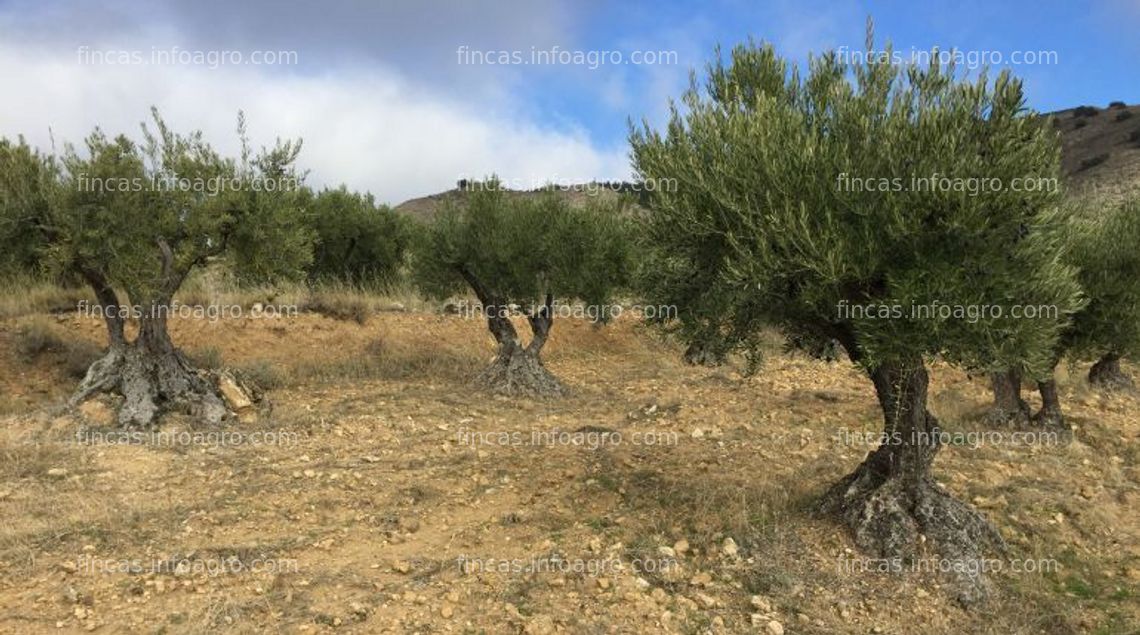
<point x="1009" y="408"/>
<point x="1106" y="374"/>
<point x="892" y="502"/>
<point x="150" y="373"/>
<point x="517" y="370"/>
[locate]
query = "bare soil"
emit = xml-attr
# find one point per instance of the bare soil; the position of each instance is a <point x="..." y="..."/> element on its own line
<point x="395" y="491"/>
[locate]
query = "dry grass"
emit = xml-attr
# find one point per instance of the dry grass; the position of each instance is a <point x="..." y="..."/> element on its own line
<point x="213" y="286"/>
<point x="42" y="337"/>
<point x="26" y="295"/>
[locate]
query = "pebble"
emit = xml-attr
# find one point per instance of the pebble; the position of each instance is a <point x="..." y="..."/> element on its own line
<point x="729" y="547"/>
<point x="708" y="601"/>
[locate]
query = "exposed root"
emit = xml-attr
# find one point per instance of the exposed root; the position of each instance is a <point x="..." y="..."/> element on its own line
<point x="892" y="517"/>
<point x="154" y="384"/>
<point x="520" y="374"/>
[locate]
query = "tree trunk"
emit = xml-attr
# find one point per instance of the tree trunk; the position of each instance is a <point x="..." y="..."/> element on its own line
<point x="702" y="353"/>
<point x="1009" y="408"/>
<point x="1106" y="374"/>
<point x="101" y="376"/>
<point x="1050" y="415"/>
<point x="152" y="376"/>
<point x="892" y="502"/>
<point x="517" y="370"/>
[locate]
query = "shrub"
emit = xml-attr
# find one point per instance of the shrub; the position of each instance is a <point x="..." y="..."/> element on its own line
<point x="357" y="241"/>
<point x="36" y="338"/>
<point x="263" y="374"/>
<point x="78" y="355"/>
<point x="1117" y="104"/>
<point x="1085" y="111"/>
<point x="1080" y="123"/>
<point x="208" y="358"/>
<point x="40" y="337"/>
<point x="1123" y="115"/>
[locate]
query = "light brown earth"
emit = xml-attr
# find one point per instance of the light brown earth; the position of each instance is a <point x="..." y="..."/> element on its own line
<point x="357" y="520"/>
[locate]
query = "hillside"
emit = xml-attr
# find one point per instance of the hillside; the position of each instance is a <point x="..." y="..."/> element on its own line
<point x="424" y="208"/>
<point x="1100" y="147"/>
<point x="1100" y="151"/>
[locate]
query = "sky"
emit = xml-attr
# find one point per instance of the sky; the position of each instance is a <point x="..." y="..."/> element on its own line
<point x="398" y="97"/>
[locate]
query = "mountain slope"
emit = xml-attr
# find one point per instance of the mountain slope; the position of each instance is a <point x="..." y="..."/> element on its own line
<point x="1100" y="148"/>
<point x="1100" y="155"/>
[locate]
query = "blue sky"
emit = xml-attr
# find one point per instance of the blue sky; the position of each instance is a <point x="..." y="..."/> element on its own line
<point x="1096" y="44"/>
<point x="379" y="95"/>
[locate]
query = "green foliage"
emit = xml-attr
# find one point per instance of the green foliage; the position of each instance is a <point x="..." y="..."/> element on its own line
<point x="1107" y="251"/>
<point x="142" y="215"/>
<point x="357" y="241"/>
<point x="767" y="225"/>
<point x="516" y="249"/>
<point x="24" y="175"/>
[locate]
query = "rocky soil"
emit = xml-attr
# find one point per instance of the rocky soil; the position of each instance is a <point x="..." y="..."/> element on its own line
<point x="384" y="494"/>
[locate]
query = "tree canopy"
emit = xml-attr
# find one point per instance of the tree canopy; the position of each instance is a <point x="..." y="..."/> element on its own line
<point x="356" y="240"/>
<point x="797" y="199"/>
<point x="526" y="251"/>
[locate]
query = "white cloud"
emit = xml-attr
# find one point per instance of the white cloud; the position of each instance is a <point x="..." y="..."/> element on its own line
<point x="371" y="129"/>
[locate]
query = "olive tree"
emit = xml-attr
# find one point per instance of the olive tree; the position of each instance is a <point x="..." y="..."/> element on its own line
<point x="356" y="240"/>
<point x="1109" y="260"/>
<point x="796" y="196"/>
<point x="22" y="172"/>
<point x="132" y="219"/>
<point x="523" y="252"/>
<point x="1105" y="250"/>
